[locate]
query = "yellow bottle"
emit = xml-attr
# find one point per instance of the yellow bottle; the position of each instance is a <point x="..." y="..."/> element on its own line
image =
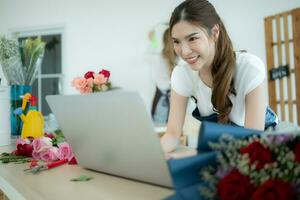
<point x="33" y="122"/>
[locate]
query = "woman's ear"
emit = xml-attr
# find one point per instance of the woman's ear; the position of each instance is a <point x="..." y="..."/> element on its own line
<point x="215" y="31"/>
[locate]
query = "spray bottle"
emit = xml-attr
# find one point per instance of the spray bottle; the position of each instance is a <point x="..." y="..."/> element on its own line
<point x="33" y="121"/>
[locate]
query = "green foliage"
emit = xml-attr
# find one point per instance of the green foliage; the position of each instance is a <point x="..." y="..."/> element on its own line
<point x="82" y="178"/>
<point x="9" y="157"/>
<point x="20" y="62"/>
<point x="31" y="51"/>
<point x="59" y="137"/>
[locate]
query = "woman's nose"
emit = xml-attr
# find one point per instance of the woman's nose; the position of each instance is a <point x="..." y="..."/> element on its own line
<point x="185" y="49"/>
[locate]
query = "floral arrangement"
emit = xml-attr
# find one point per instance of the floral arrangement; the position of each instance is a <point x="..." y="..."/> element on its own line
<point x="20" y="61"/>
<point x="266" y="167"/>
<point x="93" y="82"/>
<point x="52" y="147"/>
<point x="43" y="153"/>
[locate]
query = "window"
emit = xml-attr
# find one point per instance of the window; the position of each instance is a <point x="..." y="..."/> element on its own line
<point x="50" y="78"/>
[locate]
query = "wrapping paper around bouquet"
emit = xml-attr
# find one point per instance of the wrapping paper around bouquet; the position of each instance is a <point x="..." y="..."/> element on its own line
<point x="185" y="175"/>
<point x="186" y="172"/>
<point x="188" y="193"/>
<point x="211" y="132"/>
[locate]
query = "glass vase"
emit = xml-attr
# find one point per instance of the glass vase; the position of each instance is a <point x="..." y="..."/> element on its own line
<point x="16" y="93"/>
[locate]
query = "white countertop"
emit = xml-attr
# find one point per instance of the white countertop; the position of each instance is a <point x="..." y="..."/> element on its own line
<point x="55" y="184"/>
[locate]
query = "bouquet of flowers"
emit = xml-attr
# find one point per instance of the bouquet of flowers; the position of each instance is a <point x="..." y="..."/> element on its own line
<point x="51" y="147"/>
<point x="93" y="82"/>
<point x="266" y="167"/>
<point x="20" y="61"/>
<point x="42" y="153"/>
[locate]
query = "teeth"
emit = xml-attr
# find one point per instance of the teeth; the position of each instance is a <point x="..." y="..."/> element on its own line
<point x="192" y="59"/>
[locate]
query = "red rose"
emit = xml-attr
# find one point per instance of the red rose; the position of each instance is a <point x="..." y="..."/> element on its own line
<point x="235" y="186"/>
<point x="49" y="135"/>
<point x="105" y="73"/>
<point x="258" y="153"/>
<point x="89" y="74"/>
<point x="73" y="161"/>
<point x="24" y="150"/>
<point x="297" y="152"/>
<point x="274" y="189"/>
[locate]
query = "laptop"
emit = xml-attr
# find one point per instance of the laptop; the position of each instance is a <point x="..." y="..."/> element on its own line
<point x="112" y="132"/>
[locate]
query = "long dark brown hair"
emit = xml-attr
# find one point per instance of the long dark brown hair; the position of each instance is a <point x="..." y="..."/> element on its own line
<point x="203" y="14"/>
<point x="168" y="52"/>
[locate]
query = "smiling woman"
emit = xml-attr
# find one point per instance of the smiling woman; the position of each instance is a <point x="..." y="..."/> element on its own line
<point x="228" y="86"/>
<point x="191" y="41"/>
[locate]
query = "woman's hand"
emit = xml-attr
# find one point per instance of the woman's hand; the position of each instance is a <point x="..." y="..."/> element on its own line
<point x="169" y="142"/>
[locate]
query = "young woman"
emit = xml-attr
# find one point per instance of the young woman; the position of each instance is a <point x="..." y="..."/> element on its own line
<point x="163" y="65"/>
<point x="228" y="86"/>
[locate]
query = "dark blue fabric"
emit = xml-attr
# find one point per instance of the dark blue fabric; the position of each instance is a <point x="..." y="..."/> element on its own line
<point x="186" y="172"/>
<point x="270" y="119"/>
<point x="161" y="106"/>
<point x="189" y="193"/>
<point x="210" y="132"/>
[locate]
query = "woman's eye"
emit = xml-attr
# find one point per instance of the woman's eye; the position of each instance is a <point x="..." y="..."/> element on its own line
<point x="175" y="41"/>
<point x="193" y="39"/>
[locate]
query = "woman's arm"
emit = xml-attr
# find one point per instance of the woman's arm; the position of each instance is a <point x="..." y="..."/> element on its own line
<point x="256" y="108"/>
<point x="170" y="139"/>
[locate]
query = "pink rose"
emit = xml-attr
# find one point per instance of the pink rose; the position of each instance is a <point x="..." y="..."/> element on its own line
<point x="37" y="143"/>
<point x="49" y="155"/>
<point x="90" y="82"/>
<point x="64" y="151"/>
<point x="100" y="79"/>
<point x="36" y="155"/>
<point x="22" y="141"/>
<point x="42" y="144"/>
<point x="79" y="83"/>
<point x="85" y="90"/>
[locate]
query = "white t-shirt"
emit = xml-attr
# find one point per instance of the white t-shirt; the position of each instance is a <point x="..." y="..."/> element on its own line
<point x="250" y="73"/>
<point x="160" y="72"/>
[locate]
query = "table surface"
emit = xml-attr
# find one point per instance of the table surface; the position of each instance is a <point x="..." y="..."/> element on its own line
<point x="56" y="184"/>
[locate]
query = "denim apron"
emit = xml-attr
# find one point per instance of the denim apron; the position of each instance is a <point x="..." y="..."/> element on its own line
<point x="271" y="119"/>
<point x="160" y="106"/>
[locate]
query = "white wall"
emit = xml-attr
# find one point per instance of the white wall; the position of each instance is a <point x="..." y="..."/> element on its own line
<point x="245" y="21"/>
<point x="113" y="34"/>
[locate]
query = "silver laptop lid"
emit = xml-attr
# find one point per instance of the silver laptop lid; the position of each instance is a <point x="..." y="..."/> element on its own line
<point x="112" y="132"/>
